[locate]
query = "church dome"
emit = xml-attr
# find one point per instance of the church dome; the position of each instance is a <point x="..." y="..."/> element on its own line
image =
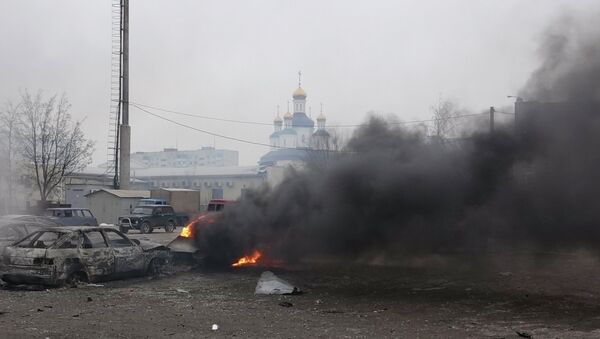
<point x="287" y="116"/>
<point x="299" y="93"/>
<point x="277" y="119"/>
<point x="321" y="117"/>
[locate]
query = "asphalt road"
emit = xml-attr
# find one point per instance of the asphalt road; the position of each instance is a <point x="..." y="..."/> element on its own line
<point x="551" y="299"/>
<point x="539" y="295"/>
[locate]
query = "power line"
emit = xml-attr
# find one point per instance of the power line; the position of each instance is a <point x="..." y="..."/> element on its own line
<point x="138" y="105"/>
<point x="226" y="136"/>
<point x="259" y="143"/>
<point x="204" y="131"/>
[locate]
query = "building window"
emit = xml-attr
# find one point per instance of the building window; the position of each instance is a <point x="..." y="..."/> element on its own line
<point x="217" y="193"/>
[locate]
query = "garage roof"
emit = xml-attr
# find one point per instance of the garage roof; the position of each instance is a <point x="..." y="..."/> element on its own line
<point x="123" y="193"/>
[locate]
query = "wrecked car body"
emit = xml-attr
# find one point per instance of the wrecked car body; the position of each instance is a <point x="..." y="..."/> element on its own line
<point x="15" y="227"/>
<point x="66" y="255"/>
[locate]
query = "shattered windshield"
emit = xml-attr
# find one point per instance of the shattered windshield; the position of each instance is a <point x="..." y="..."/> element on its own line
<point x="41" y="239"/>
<point x="142" y="210"/>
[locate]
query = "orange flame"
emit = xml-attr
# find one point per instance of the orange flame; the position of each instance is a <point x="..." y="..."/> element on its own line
<point x="248" y="259"/>
<point x="186" y="232"/>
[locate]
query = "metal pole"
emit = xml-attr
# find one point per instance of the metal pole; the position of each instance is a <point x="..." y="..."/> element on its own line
<point x="125" y="129"/>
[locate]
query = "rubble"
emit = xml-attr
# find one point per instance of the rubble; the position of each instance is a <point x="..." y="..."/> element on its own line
<point x="270" y="284"/>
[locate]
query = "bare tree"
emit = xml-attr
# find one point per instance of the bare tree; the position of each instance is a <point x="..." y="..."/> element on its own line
<point x="53" y="146"/>
<point x="444" y="114"/>
<point x="9" y="128"/>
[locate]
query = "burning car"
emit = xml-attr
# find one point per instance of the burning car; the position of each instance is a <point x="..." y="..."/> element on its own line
<point x="189" y="244"/>
<point x="66" y="255"/>
<point x="185" y="246"/>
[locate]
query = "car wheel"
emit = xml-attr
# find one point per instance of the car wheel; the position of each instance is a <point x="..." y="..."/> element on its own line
<point x="155" y="266"/>
<point x="76" y="278"/>
<point x="124" y="230"/>
<point x="170" y="227"/>
<point x="145" y="228"/>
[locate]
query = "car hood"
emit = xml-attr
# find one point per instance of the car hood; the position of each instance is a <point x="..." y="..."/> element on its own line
<point x="150" y="246"/>
<point x="135" y="216"/>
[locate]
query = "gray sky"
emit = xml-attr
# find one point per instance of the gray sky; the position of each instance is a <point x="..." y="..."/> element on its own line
<point x="239" y="59"/>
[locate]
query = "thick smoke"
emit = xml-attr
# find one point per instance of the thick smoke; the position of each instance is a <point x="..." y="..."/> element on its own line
<point x="394" y="192"/>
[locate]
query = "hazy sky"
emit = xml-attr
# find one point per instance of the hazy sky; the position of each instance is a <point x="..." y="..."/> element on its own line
<point x="239" y="60"/>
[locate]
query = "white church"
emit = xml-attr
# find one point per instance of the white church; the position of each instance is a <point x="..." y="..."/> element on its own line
<point x="295" y="135"/>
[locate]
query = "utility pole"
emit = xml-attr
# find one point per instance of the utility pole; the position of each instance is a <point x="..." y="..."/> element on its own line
<point x="492" y="111"/>
<point x="124" y="128"/>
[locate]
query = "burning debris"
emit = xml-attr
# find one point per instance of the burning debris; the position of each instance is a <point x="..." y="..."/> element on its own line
<point x="248" y="259"/>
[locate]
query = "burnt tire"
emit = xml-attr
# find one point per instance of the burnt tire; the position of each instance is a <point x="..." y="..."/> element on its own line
<point x="76" y="278"/>
<point x="155" y="266"/>
<point x="124" y="230"/>
<point x="170" y="227"/>
<point x="145" y="228"/>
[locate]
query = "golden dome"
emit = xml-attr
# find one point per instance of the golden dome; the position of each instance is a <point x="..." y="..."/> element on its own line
<point x="321" y="117"/>
<point x="288" y="115"/>
<point x="277" y="119"/>
<point x="299" y="93"/>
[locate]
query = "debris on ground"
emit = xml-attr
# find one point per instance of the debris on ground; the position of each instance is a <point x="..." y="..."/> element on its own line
<point x="89" y="299"/>
<point x="286" y="304"/>
<point x="181" y="290"/>
<point x="523" y="334"/>
<point x="92" y="285"/>
<point x="215" y="327"/>
<point x="270" y="284"/>
<point x="506" y="274"/>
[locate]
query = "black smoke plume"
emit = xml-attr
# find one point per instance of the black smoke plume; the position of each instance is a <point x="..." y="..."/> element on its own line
<point x="391" y="192"/>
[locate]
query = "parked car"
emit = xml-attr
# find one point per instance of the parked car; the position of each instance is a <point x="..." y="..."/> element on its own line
<point x="147" y="218"/>
<point x="66" y="255"/>
<point x="151" y="201"/>
<point x="16" y="227"/>
<point x="72" y="216"/>
<point x="185" y="244"/>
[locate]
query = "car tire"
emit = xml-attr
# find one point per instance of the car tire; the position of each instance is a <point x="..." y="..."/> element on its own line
<point x="145" y="228"/>
<point x="76" y="278"/>
<point x="170" y="227"/>
<point x="124" y="230"/>
<point x="155" y="266"/>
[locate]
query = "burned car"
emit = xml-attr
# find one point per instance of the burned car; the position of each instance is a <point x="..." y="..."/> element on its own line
<point x="66" y="255"/>
<point x="185" y="246"/>
<point x="16" y="227"/>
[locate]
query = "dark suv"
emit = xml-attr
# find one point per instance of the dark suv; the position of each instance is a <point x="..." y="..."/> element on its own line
<point x="147" y="218"/>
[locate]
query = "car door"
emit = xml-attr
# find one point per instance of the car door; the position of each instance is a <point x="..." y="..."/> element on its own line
<point x="162" y="220"/>
<point x="96" y="255"/>
<point x="129" y="257"/>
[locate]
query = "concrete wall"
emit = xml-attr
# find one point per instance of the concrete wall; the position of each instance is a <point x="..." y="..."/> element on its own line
<point x="188" y="201"/>
<point x="107" y="207"/>
<point x="231" y="186"/>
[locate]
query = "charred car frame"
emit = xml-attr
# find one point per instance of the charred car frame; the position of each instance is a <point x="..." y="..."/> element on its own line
<point x="66" y="255"/>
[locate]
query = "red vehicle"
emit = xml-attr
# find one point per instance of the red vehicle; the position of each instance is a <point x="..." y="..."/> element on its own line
<point x="185" y="244"/>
